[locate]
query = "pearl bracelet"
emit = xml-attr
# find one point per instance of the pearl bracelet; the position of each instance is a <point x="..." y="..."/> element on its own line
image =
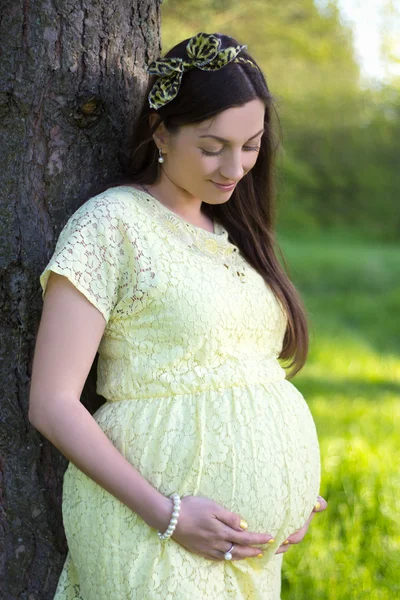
<point x="174" y="518"/>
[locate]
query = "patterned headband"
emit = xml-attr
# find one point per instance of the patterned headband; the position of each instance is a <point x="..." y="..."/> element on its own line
<point x="204" y="53"/>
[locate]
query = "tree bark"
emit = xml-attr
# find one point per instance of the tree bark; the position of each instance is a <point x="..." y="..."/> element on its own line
<point x="71" y="81"/>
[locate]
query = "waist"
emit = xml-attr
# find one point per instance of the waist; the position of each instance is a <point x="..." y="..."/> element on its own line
<point x="117" y="381"/>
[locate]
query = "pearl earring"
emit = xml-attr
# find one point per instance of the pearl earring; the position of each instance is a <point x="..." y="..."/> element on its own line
<point x="160" y="158"/>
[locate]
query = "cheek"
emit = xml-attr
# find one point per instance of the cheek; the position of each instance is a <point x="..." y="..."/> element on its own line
<point x="192" y="161"/>
<point x="250" y="161"/>
<point x="209" y="164"/>
<point x="200" y="165"/>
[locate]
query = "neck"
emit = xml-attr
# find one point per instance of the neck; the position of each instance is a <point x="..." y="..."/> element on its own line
<point x="180" y="202"/>
<point x="177" y="199"/>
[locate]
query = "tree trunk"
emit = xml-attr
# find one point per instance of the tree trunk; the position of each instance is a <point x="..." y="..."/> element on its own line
<point x="71" y="81"/>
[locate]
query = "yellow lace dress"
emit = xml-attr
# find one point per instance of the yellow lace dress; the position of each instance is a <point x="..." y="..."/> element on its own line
<point x="196" y="400"/>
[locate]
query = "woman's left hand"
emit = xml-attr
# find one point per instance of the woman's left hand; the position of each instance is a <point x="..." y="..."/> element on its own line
<point x="297" y="536"/>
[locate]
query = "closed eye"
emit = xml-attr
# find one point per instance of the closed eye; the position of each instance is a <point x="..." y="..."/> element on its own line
<point x="246" y="148"/>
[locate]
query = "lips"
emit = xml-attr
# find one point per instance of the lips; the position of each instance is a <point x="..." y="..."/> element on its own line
<point x="223" y="187"/>
<point x="225" y="184"/>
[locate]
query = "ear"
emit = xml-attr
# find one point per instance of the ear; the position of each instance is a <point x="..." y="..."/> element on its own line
<point x="161" y="134"/>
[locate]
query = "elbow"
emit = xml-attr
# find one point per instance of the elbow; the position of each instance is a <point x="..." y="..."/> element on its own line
<point x="31" y="415"/>
<point x="33" y="419"/>
<point x="39" y="422"/>
<point x="35" y="413"/>
<point x="46" y="409"/>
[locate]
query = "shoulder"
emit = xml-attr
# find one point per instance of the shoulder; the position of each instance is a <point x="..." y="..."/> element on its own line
<point x="122" y="202"/>
<point x="115" y="211"/>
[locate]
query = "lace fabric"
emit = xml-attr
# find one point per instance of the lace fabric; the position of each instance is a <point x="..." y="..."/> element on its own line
<point x="196" y="401"/>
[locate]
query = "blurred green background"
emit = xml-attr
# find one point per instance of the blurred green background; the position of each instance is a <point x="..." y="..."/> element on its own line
<point x="338" y="224"/>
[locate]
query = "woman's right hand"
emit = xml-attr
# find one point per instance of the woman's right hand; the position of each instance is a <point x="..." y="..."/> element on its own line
<point x="207" y="528"/>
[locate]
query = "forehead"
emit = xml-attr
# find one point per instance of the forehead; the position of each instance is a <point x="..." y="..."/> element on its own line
<point x="237" y="122"/>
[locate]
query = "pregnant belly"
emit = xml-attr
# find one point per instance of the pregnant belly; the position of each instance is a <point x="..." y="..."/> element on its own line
<point x="252" y="449"/>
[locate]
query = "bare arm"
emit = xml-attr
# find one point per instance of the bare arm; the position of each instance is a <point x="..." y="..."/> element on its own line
<point x="69" y="334"/>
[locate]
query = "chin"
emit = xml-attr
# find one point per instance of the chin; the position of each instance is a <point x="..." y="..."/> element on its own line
<point x="215" y="203"/>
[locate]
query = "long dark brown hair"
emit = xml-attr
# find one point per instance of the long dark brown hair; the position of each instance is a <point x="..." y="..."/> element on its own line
<point x="249" y="215"/>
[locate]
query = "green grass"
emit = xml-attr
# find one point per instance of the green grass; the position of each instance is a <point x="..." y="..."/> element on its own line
<point x="351" y="290"/>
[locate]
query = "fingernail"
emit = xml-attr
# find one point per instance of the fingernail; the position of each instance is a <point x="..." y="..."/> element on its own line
<point x="286" y="542"/>
<point x="259" y="555"/>
<point x="317" y="505"/>
<point x="270" y="541"/>
<point x="243" y="524"/>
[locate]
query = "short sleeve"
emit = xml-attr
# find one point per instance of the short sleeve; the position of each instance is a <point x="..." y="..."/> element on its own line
<point x="91" y="252"/>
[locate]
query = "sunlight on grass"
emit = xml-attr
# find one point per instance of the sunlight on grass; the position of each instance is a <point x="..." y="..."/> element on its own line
<point x="353" y="549"/>
<point x="345" y="357"/>
<point x="351" y="382"/>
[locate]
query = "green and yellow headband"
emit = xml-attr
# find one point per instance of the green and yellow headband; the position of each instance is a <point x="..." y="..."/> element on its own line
<point x="204" y="53"/>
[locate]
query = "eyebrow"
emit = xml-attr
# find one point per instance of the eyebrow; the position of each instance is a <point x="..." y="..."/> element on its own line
<point x="220" y="139"/>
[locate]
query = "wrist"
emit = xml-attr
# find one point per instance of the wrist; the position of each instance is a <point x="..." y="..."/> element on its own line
<point x="159" y="514"/>
<point x="176" y="500"/>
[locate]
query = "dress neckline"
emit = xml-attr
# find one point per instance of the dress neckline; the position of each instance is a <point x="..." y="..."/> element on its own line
<point x="219" y="232"/>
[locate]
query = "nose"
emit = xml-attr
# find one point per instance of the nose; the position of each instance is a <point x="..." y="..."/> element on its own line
<point x="232" y="168"/>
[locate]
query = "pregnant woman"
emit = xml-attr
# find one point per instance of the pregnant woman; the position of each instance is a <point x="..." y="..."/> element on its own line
<point x="202" y="467"/>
